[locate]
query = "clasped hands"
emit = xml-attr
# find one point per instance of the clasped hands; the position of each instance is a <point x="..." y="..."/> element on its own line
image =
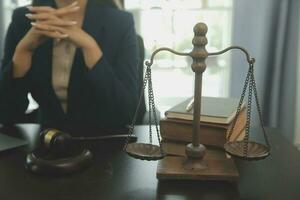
<point x="48" y="22"/>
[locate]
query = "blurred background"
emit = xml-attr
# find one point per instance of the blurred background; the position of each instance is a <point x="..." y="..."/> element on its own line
<point x="268" y="29"/>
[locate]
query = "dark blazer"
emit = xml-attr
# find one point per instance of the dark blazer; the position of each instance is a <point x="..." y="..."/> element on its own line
<point x="106" y="95"/>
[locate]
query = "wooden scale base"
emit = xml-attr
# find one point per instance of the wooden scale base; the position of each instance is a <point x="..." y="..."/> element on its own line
<point x="219" y="168"/>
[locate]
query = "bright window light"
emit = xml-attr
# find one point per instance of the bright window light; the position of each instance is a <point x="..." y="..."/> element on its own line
<point x="169" y="23"/>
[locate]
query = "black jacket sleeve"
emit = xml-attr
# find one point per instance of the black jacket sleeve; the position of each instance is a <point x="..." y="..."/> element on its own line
<point x="118" y="80"/>
<point x="13" y="92"/>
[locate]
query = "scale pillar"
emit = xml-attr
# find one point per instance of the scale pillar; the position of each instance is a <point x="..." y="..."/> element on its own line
<point x="196" y="151"/>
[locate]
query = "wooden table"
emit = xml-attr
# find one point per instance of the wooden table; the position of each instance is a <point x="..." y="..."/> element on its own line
<point x="114" y="175"/>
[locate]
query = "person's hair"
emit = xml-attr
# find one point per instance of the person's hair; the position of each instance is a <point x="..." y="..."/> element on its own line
<point x="49" y="2"/>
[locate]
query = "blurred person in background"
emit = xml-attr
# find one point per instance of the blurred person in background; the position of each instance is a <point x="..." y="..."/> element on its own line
<point x="78" y="59"/>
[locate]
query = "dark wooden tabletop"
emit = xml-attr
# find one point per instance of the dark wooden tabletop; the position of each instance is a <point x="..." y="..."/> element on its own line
<point x="115" y="175"/>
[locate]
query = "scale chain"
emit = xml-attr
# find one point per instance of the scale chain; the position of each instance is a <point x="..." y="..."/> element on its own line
<point x="131" y="127"/>
<point x="249" y="104"/>
<point x="149" y="103"/>
<point x="259" y="109"/>
<point x="240" y="103"/>
<point x="151" y="96"/>
<point x="251" y="85"/>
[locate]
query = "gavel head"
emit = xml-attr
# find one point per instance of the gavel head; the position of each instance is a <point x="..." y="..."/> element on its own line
<point x="57" y="142"/>
<point x="57" y="154"/>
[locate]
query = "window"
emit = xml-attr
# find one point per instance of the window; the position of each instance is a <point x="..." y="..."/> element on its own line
<point x="169" y="23"/>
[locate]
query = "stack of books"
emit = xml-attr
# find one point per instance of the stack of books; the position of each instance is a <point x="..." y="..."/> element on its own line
<point x="217" y="117"/>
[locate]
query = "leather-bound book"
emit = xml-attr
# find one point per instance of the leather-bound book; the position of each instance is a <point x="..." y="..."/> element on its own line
<point x="214" y="134"/>
<point x="213" y="110"/>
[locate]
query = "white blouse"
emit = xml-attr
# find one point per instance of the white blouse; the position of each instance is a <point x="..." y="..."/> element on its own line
<point x="62" y="61"/>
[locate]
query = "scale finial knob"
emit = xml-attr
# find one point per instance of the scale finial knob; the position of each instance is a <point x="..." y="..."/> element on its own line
<point x="199" y="53"/>
<point x="200" y="29"/>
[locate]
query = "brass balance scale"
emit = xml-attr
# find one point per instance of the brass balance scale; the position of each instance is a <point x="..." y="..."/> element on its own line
<point x="198" y="164"/>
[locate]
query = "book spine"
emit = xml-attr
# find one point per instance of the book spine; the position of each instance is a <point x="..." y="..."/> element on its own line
<point x="214" y="136"/>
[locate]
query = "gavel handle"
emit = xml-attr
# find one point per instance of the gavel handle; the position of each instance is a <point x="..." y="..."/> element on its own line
<point x="132" y="138"/>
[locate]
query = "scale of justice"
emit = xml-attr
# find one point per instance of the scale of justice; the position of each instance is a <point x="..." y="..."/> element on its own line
<point x="199" y="164"/>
